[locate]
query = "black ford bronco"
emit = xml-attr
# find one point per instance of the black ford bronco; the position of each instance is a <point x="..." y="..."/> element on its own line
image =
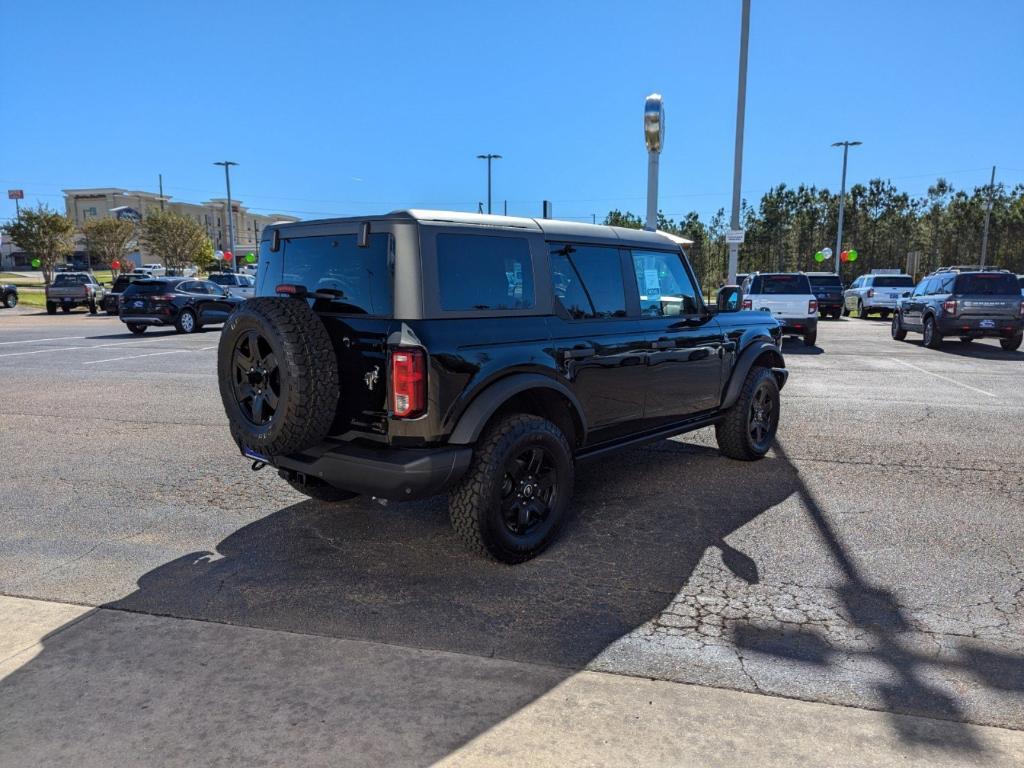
<point x="421" y="352"/>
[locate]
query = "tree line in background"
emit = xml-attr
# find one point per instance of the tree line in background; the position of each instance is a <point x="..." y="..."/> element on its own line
<point x="882" y="223"/>
<point x="49" y="237"/>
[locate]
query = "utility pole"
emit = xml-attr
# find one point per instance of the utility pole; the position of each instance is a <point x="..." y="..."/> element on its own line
<point x="160" y="176"/>
<point x="988" y="215"/>
<point x="231" y="227"/>
<point x="506" y="208"/>
<point x="489" y="157"/>
<point x="842" y="198"/>
<point x="737" y="163"/>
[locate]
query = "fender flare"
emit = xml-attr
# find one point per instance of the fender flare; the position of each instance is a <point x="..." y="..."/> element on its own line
<point x="745" y="362"/>
<point x="472" y="421"/>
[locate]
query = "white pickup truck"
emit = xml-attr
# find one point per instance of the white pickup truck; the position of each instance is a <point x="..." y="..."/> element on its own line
<point x="789" y="299"/>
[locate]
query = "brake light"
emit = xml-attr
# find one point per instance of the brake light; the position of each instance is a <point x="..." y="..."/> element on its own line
<point x="871" y="293"/>
<point x="812" y="306"/>
<point x="949" y="306"/>
<point x="748" y="304"/>
<point x="408" y="382"/>
<point x="1022" y="309"/>
<point x="163" y="297"/>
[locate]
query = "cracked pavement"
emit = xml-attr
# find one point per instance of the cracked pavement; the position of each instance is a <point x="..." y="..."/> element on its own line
<point x="875" y="560"/>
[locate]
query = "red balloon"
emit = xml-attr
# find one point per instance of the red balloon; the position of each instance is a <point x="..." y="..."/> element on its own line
<point x="844" y="256"/>
<point x="115" y="264"/>
<point x="227" y="255"/>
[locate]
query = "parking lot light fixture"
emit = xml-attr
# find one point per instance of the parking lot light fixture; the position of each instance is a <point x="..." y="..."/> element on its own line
<point x="489" y="157"/>
<point x="842" y="196"/>
<point x="231" y="227"/>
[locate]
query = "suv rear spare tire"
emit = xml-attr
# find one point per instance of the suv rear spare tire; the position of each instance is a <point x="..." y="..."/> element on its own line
<point x="278" y="376"/>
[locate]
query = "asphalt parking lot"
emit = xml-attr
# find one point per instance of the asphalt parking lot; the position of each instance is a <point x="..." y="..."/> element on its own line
<point x="875" y="559"/>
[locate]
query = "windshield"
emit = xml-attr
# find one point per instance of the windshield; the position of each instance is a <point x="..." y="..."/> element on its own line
<point x="222" y="279"/>
<point x="781" y="284"/>
<point x="825" y="281"/>
<point x="893" y="281"/>
<point x="986" y="284"/>
<point x="149" y="287"/>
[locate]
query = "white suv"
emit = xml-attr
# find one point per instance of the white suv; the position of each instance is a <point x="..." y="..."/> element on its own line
<point x="876" y="293"/>
<point x="788" y="297"/>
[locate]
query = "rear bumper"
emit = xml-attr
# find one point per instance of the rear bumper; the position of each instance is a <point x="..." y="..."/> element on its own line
<point x="800" y="325"/>
<point x="1002" y="327"/>
<point x="829" y="305"/>
<point x="388" y="473"/>
<point x="146" y="319"/>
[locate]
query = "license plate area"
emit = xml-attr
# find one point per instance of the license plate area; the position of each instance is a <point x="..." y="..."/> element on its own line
<point x="987" y="324"/>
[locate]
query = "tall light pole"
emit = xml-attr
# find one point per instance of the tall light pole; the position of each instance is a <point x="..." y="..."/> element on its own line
<point x="489" y="157"/>
<point x="736" y="235"/>
<point x="988" y="215"/>
<point x="654" y="138"/>
<point x="231" y="227"/>
<point x="842" y="197"/>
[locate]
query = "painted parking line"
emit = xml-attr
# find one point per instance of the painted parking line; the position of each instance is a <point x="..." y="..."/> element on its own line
<point x="32" y="341"/>
<point x="93" y="346"/>
<point x="148" y="354"/>
<point x="940" y="376"/>
<point x="40" y="351"/>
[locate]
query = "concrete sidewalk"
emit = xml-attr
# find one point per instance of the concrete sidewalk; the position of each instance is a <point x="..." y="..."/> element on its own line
<point x="96" y="687"/>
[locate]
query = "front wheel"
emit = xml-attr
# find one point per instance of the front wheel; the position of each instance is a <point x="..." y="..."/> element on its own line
<point x="11" y="300"/>
<point x="137" y="328"/>
<point x="514" y="496"/>
<point x="932" y="337"/>
<point x="846" y="310"/>
<point x="1013" y="343"/>
<point x="748" y="429"/>
<point x="899" y="333"/>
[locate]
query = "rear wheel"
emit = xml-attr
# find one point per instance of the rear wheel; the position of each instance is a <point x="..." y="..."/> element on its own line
<point x="966" y="339"/>
<point x="93" y="309"/>
<point x="1013" y="343"/>
<point x="748" y="429"/>
<point x="137" y="328"/>
<point x="836" y="313"/>
<point x="513" y="498"/>
<point x="51" y="308"/>
<point x="810" y="339"/>
<point x="898" y="331"/>
<point x="186" y="322"/>
<point x="932" y="337"/>
<point x="65" y="308"/>
<point x="862" y="311"/>
<point x="885" y="314"/>
<point x="846" y="310"/>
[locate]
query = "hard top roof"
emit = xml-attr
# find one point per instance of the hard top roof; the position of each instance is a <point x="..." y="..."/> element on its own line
<point x="550" y="228"/>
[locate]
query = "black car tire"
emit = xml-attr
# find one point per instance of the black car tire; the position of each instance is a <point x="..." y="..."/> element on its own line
<point x="275" y="354"/>
<point x="737" y="434"/>
<point x="884" y="314"/>
<point x="836" y="314"/>
<point x="65" y="308"/>
<point x="93" y="309"/>
<point x="846" y="310"/>
<point x="499" y="484"/>
<point x="810" y="338"/>
<point x="862" y="313"/>
<point x="11" y="300"/>
<point x="51" y="308"/>
<point x="966" y="339"/>
<point x="932" y="337"/>
<point x="319" y="490"/>
<point x="899" y="333"/>
<point x="1013" y="343"/>
<point x="137" y="328"/>
<point x="187" y="322"/>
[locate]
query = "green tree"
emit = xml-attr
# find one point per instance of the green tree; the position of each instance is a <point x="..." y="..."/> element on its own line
<point x="176" y="240"/>
<point x="109" y="240"/>
<point x="43" y="234"/>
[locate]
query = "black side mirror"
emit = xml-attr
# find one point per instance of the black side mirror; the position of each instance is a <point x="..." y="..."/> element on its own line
<point x="729" y="298"/>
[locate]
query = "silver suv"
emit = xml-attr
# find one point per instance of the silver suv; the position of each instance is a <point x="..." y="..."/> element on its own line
<point x="876" y="293"/>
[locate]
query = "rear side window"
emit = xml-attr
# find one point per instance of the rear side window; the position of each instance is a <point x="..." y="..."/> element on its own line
<point x="67" y="280"/>
<point x="588" y="281"/>
<point x="987" y="283"/>
<point x="358" y="279"/>
<point x="149" y="287"/>
<point x="223" y="279"/>
<point x="664" y="284"/>
<point x="781" y="284"/>
<point x="484" y="273"/>
<point x="893" y="281"/>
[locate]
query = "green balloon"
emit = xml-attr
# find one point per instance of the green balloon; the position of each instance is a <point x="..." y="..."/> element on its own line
<point x="852" y="255"/>
<point x="819" y="256"/>
<point x="250" y="257"/>
<point x="36" y="263"/>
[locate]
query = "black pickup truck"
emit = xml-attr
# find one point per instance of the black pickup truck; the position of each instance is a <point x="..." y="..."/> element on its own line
<point x="422" y="352"/>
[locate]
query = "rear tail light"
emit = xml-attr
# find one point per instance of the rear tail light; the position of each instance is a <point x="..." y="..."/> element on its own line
<point x="812" y="306"/>
<point x="1022" y="309"/>
<point x="748" y="304"/>
<point x="871" y="293"/>
<point x="408" y="382"/>
<point x="949" y="306"/>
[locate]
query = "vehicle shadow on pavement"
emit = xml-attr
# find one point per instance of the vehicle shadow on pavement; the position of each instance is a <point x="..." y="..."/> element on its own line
<point x="978" y="351"/>
<point x="875" y="611"/>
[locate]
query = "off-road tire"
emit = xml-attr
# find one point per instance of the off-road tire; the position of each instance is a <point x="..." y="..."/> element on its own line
<point x="51" y="308"/>
<point x="733" y="431"/>
<point x="474" y="502"/>
<point x="137" y="328"/>
<point x="932" y="337"/>
<point x="1012" y="344"/>
<point x="308" y="375"/>
<point x="899" y="333"/>
<point x="319" y="490"/>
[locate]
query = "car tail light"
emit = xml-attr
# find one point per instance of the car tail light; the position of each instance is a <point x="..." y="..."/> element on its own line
<point x="1022" y="309"/>
<point x="748" y="304"/>
<point x="871" y="293"/>
<point x="408" y="382"/>
<point x="949" y="306"/>
<point x="812" y="306"/>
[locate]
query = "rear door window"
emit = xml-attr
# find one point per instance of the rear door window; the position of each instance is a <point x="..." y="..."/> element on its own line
<point x="665" y="287"/>
<point x="987" y="284"/>
<point x="480" y="272"/>
<point x="358" y="280"/>
<point x="588" y="281"/>
<point x="894" y="281"/>
<point x="784" y="284"/>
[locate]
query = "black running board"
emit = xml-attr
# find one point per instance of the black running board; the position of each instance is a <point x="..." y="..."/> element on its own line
<point x="679" y="428"/>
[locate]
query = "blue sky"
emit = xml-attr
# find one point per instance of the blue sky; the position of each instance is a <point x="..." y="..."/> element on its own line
<point x="336" y="108"/>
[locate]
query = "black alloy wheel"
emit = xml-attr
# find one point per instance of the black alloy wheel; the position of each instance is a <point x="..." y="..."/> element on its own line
<point x="763" y="417"/>
<point x="528" y="489"/>
<point x="255" y="378"/>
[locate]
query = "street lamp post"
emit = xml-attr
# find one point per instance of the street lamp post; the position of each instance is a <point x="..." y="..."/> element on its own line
<point x="842" y="197"/>
<point x="654" y="138"/>
<point x="988" y="216"/>
<point x="737" y="163"/>
<point x="231" y="227"/>
<point x="489" y="157"/>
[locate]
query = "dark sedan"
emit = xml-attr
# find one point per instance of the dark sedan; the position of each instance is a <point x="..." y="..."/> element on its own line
<point x="8" y="296"/>
<point x="185" y="303"/>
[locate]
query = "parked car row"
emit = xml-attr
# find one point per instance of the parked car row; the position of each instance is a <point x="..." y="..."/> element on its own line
<point x="186" y="304"/>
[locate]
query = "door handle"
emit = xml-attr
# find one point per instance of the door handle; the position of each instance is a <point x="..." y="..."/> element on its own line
<point x="663" y="344"/>
<point x="579" y="353"/>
